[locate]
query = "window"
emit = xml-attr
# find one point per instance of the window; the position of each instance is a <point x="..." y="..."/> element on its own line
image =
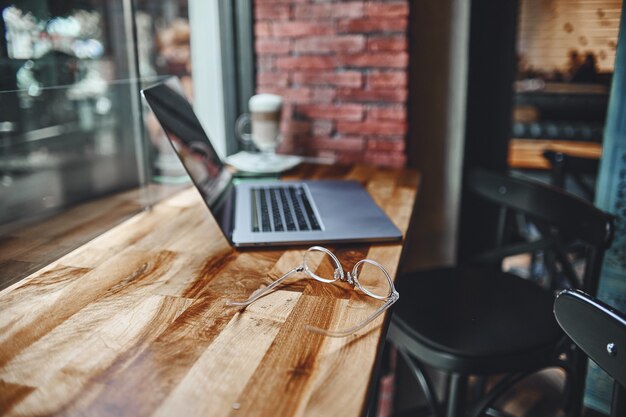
<point x="78" y="151"/>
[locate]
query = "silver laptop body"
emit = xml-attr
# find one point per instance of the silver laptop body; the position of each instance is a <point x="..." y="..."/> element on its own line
<point x="259" y="212"/>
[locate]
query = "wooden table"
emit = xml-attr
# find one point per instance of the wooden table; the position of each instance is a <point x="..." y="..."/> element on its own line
<point x="26" y="249"/>
<point x="134" y="323"/>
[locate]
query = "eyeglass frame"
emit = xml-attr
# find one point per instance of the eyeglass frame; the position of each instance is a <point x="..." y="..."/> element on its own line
<point x="339" y="274"/>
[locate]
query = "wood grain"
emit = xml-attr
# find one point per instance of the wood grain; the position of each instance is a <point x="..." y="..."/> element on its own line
<point x="26" y="248"/>
<point x="134" y="322"/>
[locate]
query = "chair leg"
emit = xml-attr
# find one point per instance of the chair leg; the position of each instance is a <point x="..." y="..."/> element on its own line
<point x="618" y="405"/>
<point x="486" y="402"/>
<point x="575" y="384"/>
<point x="422" y="378"/>
<point x="480" y="387"/>
<point x="457" y="392"/>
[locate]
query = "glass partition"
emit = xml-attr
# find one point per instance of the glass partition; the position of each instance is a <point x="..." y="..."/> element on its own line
<point x="76" y="153"/>
<point x="65" y="146"/>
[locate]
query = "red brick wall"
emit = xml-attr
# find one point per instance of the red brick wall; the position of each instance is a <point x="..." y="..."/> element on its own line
<point x="341" y="68"/>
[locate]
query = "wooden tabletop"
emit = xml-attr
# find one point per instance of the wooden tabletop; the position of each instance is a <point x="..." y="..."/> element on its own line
<point x="26" y="248"/>
<point x="134" y="322"/>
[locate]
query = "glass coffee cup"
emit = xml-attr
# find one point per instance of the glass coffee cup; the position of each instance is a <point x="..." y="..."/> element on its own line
<point x="263" y="123"/>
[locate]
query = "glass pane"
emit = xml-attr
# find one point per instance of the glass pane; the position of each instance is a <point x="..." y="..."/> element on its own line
<point x="75" y="157"/>
<point x="163" y="37"/>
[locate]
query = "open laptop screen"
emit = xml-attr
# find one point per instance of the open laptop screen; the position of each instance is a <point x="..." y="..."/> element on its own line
<point x="193" y="147"/>
<point x="190" y="142"/>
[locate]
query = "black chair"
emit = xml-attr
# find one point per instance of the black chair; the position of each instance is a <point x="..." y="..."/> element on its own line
<point x="600" y="331"/>
<point x="476" y="320"/>
<point x="564" y="165"/>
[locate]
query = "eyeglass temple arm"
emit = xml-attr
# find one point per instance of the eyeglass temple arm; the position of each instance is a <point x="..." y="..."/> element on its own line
<point x="346" y="332"/>
<point x="262" y="291"/>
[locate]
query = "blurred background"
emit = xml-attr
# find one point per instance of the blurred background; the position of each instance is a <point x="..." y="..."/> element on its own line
<point x="73" y="128"/>
<point x="565" y="62"/>
<point x="68" y="93"/>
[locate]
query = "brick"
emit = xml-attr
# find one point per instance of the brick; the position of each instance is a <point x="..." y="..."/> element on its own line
<point x="288" y="146"/>
<point x="394" y="160"/>
<point x="333" y="111"/>
<point x="340" y="79"/>
<point x="326" y="44"/>
<point x="396" y="112"/>
<point x="279" y="79"/>
<point x="322" y="127"/>
<point x="372" y="127"/>
<point x="371" y="25"/>
<point x="348" y="157"/>
<point x="330" y="157"/>
<point x="263" y="30"/>
<point x="341" y="68"/>
<point x="296" y="145"/>
<point x="297" y="127"/>
<point x="305" y="63"/>
<point x="387" y="44"/>
<point x="324" y="95"/>
<point x="295" y="29"/>
<point x="327" y="10"/>
<point x="291" y="95"/>
<point x="388" y="79"/>
<point x="272" y="12"/>
<point x="287" y="114"/>
<point x="272" y="46"/>
<point x="386" y="145"/>
<point x="391" y="9"/>
<point x="259" y="2"/>
<point x="372" y="95"/>
<point x="374" y="60"/>
<point x="340" y="144"/>
<point x="265" y="63"/>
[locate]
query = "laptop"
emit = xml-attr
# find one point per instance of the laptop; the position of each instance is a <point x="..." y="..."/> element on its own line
<point x="265" y="212"/>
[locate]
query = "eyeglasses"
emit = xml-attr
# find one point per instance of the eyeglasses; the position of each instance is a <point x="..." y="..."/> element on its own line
<point x="322" y="265"/>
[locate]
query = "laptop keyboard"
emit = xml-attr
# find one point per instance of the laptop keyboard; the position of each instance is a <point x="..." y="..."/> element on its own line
<point x="282" y="209"/>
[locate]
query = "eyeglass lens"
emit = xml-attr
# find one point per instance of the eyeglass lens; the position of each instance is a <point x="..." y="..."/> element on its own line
<point x="372" y="279"/>
<point x="322" y="265"/>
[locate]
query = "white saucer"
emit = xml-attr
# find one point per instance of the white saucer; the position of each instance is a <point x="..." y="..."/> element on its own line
<point x="261" y="163"/>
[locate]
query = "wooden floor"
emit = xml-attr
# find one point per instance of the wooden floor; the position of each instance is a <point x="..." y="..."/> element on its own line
<point x="539" y="396"/>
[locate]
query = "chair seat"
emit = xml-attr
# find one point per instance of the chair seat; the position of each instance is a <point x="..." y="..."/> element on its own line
<point x="474" y="320"/>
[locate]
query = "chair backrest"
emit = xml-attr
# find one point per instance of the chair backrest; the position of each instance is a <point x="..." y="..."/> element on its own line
<point x="600" y="332"/>
<point x="563" y="165"/>
<point x="598" y="329"/>
<point x="546" y="203"/>
<point x="560" y="218"/>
